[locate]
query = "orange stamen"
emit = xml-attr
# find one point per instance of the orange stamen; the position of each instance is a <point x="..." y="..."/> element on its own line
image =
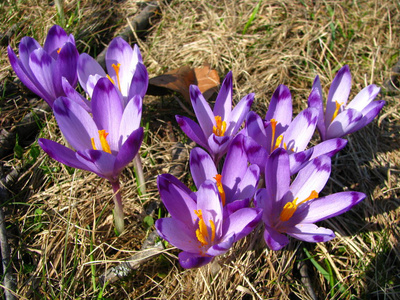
<point x="273" y="128"/>
<point x="59" y="50"/>
<point x="338" y="106"/>
<point x="103" y="141"/>
<point x="116" y="69"/>
<point x="220" y="128"/>
<point x="221" y="191"/>
<point x="290" y="208"/>
<point x="202" y="233"/>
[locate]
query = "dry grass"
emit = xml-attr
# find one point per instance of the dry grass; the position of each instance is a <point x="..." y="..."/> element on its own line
<point x="60" y="219"/>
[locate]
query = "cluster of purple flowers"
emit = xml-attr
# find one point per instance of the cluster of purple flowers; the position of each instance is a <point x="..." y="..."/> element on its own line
<point x="242" y="175"/>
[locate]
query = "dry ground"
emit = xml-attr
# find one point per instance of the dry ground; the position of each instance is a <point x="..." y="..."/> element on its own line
<point x="59" y="220"/>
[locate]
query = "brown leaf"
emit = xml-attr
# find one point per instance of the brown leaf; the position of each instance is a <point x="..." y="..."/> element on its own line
<point x="179" y="80"/>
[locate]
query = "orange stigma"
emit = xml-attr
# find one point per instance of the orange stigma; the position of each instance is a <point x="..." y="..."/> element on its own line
<point x="103" y="141"/>
<point x="59" y="50"/>
<point x="202" y="233"/>
<point x="338" y="106"/>
<point x="116" y="69"/>
<point x="290" y="208"/>
<point x="221" y="191"/>
<point x="219" y="129"/>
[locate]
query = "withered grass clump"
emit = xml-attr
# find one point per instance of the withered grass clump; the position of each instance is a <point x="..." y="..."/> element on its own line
<point x="60" y="219"/>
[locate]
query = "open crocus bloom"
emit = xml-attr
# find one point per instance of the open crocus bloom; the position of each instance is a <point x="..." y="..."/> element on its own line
<point x="216" y="127"/>
<point x="341" y="118"/>
<point x="104" y="143"/>
<point x="42" y="69"/>
<point x="278" y="130"/>
<point x="197" y="224"/>
<point x="237" y="182"/>
<point x="124" y="66"/>
<point x="293" y="209"/>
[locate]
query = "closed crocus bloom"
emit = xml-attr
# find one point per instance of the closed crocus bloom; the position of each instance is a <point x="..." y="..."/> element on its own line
<point x="217" y="127"/>
<point x="237" y="181"/>
<point x="125" y="69"/>
<point x="293" y="208"/>
<point x="341" y="118"/>
<point x="42" y="69"/>
<point x="197" y="224"/>
<point x="105" y="142"/>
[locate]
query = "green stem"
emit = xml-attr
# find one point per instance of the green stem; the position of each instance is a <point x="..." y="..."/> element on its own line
<point x="139" y="175"/>
<point x="118" y="209"/>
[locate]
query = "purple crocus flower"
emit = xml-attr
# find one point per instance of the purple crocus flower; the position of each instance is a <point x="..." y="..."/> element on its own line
<point x="197" y="224"/>
<point x="236" y="183"/>
<point x="341" y="118"/>
<point x="42" y="69"/>
<point x="124" y="66"/>
<point x="293" y="209"/>
<point x="104" y="143"/>
<point x="278" y="130"/>
<point x="217" y="127"/>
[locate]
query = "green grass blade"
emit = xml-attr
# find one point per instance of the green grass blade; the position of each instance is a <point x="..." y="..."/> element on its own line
<point x="252" y="17"/>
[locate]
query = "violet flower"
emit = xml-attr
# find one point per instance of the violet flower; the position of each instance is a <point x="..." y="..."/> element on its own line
<point x="293" y="209"/>
<point x="237" y="182"/>
<point x="124" y="66"/>
<point x="197" y="224"/>
<point x="42" y="69"/>
<point x="341" y="118"/>
<point x="217" y="127"/>
<point x="278" y="130"/>
<point x="104" y="143"/>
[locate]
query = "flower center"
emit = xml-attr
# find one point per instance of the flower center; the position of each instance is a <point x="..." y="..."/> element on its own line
<point x="202" y="233"/>
<point x="219" y="129"/>
<point x="277" y="143"/>
<point x="338" y="106"/>
<point x="116" y="69"/>
<point x="290" y="208"/>
<point x="103" y="141"/>
<point x="221" y="191"/>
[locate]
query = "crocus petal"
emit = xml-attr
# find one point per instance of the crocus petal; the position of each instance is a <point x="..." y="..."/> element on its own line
<point x="297" y="160"/>
<point x="72" y="119"/>
<point x="277" y="174"/>
<point x="315" y="101"/>
<point x="223" y="103"/>
<point x="139" y="83"/>
<point x="311" y="233"/>
<point x="256" y="130"/>
<point x="280" y="109"/>
<point x="107" y="110"/>
<point x="203" y="112"/>
<point x="128" y="150"/>
<point x="338" y="92"/>
<point x="26" y="47"/>
<point x="99" y="162"/>
<point x="274" y="239"/>
<point x="67" y="63"/>
<point x="329" y="147"/>
<point x="62" y="154"/>
<point x="364" y="97"/>
<point x="89" y="71"/>
<point x="312" y="177"/>
<point x="221" y="247"/>
<point x="178" y="234"/>
<point x="300" y="131"/>
<point x="131" y="118"/>
<point x="331" y="206"/>
<point x="241" y="222"/>
<point x="343" y="123"/>
<point x="248" y="184"/>
<point x="238" y="114"/>
<point x="56" y="38"/>
<point x="177" y="200"/>
<point x="73" y="95"/>
<point x="202" y="166"/>
<point x="256" y="154"/>
<point x="193" y="260"/>
<point x="369" y="113"/>
<point x="218" y="145"/>
<point x="192" y="130"/>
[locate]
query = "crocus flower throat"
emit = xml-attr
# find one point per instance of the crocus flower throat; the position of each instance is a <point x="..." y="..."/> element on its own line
<point x="220" y="128"/>
<point x="202" y="233"/>
<point x="290" y="208"/>
<point x="103" y="140"/>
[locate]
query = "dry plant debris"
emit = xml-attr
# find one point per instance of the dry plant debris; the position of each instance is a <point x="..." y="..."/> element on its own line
<point x="58" y="219"/>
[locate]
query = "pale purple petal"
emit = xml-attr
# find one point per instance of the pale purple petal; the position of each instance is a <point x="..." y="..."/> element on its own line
<point x="223" y="103"/>
<point x="256" y="154"/>
<point x="329" y="147"/>
<point x="203" y="112"/>
<point x="343" y="123"/>
<point x="218" y="145"/>
<point x="369" y="113"/>
<point x="315" y="101"/>
<point x="73" y="95"/>
<point x="256" y="130"/>
<point x="277" y="174"/>
<point x="331" y="206"/>
<point x="177" y="200"/>
<point x="241" y="222"/>
<point x="338" y="92"/>
<point x="139" y="83"/>
<point x="192" y="130"/>
<point x="364" y="97"/>
<point x="238" y="115"/>
<point x="280" y="109"/>
<point x="76" y="124"/>
<point x="202" y="166"/>
<point x="193" y="260"/>
<point x="26" y="47"/>
<point x="221" y="247"/>
<point x="131" y="118"/>
<point x="128" y="150"/>
<point x="274" y="239"/>
<point x="248" y="184"/>
<point x="299" y="159"/>
<point x="56" y="38"/>
<point x="107" y="110"/>
<point x="100" y="162"/>
<point x="67" y="63"/>
<point x="89" y="72"/>
<point x="311" y="233"/>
